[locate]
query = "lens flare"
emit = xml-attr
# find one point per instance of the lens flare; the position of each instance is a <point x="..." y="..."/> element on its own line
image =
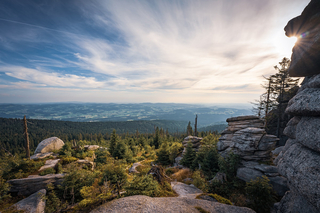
<point x="303" y="35"/>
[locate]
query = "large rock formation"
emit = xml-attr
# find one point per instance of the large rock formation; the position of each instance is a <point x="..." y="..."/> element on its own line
<point x="299" y="160"/>
<point x="33" y="183"/>
<point x="195" y="141"/>
<point x="35" y="203"/>
<point x="246" y="137"/>
<point x="49" y="145"/>
<point x="305" y="54"/>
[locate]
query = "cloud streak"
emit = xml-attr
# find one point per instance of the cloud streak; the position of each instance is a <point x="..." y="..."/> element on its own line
<point x="203" y="46"/>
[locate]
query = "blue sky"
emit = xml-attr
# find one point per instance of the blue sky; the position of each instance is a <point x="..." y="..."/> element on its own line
<point x="141" y="51"/>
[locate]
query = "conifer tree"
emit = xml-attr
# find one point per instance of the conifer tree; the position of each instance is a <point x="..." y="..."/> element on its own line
<point x="120" y="150"/>
<point x="156" y="140"/>
<point x="189" y="156"/>
<point x="189" y="129"/>
<point x="113" y="141"/>
<point x="164" y="154"/>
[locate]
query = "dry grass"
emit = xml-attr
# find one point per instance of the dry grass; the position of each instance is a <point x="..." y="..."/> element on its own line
<point x="181" y="175"/>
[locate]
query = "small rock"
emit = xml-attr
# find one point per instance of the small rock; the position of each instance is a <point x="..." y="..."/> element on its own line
<point x="49" y="164"/>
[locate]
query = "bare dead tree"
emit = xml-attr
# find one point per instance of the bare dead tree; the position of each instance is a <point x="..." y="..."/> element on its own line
<point x="27" y="145"/>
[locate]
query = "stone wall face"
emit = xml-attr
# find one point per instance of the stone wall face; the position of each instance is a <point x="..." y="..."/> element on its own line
<point x="245" y="136"/>
<point x="299" y="160"/>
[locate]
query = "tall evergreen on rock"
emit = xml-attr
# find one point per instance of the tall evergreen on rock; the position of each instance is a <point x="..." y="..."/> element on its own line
<point x="189" y="129"/>
<point x="188" y="156"/>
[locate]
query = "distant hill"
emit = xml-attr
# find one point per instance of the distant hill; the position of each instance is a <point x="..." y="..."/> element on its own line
<point x="93" y="112"/>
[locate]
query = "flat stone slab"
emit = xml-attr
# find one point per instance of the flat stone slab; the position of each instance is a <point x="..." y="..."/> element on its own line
<point x="184" y="190"/>
<point x="34" y="183"/>
<point x="141" y="203"/>
<point x="49" y="164"/>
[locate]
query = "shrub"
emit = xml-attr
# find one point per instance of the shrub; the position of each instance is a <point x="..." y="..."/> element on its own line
<point x="229" y="165"/>
<point x="95" y="194"/>
<point x="67" y="160"/>
<point x="116" y="174"/>
<point x="220" y="199"/>
<point x="182" y="174"/>
<point x="53" y="203"/>
<point x="4" y="189"/>
<point x="47" y="171"/>
<point x="199" y="181"/>
<point x="144" y="185"/>
<point x="260" y="194"/>
<point x="59" y="168"/>
<point x="73" y="183"/>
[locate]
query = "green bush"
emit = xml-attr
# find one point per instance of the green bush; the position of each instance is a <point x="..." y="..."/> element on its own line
<point x="260" y="194"/>
<point x="116" y="175"/>
<point x="164" y="154"/>
<point x="67" y="160"/>
<point x="144" y="185"/>
<point x="47" y="171"/>
<point x="199" y="181"/>
<point x="73" y="182"/>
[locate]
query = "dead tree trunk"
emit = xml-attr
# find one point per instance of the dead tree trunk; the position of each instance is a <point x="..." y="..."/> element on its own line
<point x="27" y="145"/>
<point x="195" y="126"/>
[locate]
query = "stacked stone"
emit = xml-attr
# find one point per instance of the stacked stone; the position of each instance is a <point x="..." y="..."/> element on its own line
<point x="246" y="137"/>
<point x="299" y="160"/>
<point x="195" y="141"/>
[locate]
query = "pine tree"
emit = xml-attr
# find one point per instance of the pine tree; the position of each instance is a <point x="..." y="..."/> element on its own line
<point x="120" y="150"/>
<point x="189" y="129"/>
<point x="164" y="154"/>
<point x="156" y="140"/>
<point x="113" y="141"/>
<point x="189" y="156"/>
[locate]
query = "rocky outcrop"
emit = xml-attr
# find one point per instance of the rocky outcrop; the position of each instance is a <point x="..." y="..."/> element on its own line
<point x="246" y="137"/>
<point x="49" y="145"/>
<point x="87" y="163"/>
<point x="195" y="141"/>
<point x="34" y="183"/>
<point x="305" y="54"/>
<point x="133" y="169"/>
<point x="35" y="203"/>
<point x="91" y="147"/>
<point x="299" y="160"/>
<point x="41" y="155"/>
<point x="49" y="164"/>
<point x="141" y="203"/>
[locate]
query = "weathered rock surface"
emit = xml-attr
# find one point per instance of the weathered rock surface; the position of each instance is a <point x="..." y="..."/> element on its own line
<point x="34" y="183"/>
<point x="305" y="59"/>
<point x="41" y="155"/>
<point x="246" y="137"/>
<point x="290" y="129"/>
<point x="305" y="103"/>
<point x="195" y="141"/>
<point x="248" y="174"/>
<point x="184" y="190"/>
<point x="91" y="147"/>
<point x="87" y="163"/>
<point x="49" y="145"/>
<point x="35" y="203"/>
<point x="49" y="164"/>
<point x="141" y="203"/>
<point x="301" y="166"/>
<point x="133" y="168"/>
<point x="308" y="132"/>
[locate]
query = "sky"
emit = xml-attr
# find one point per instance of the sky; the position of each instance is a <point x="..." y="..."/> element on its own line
<point x="163" y="51"/>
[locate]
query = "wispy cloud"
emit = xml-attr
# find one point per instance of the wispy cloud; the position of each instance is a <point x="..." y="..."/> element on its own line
<point x="207" y="47"/>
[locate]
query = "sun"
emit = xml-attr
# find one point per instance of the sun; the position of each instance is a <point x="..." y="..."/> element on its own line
<point x="284" y="45"/>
